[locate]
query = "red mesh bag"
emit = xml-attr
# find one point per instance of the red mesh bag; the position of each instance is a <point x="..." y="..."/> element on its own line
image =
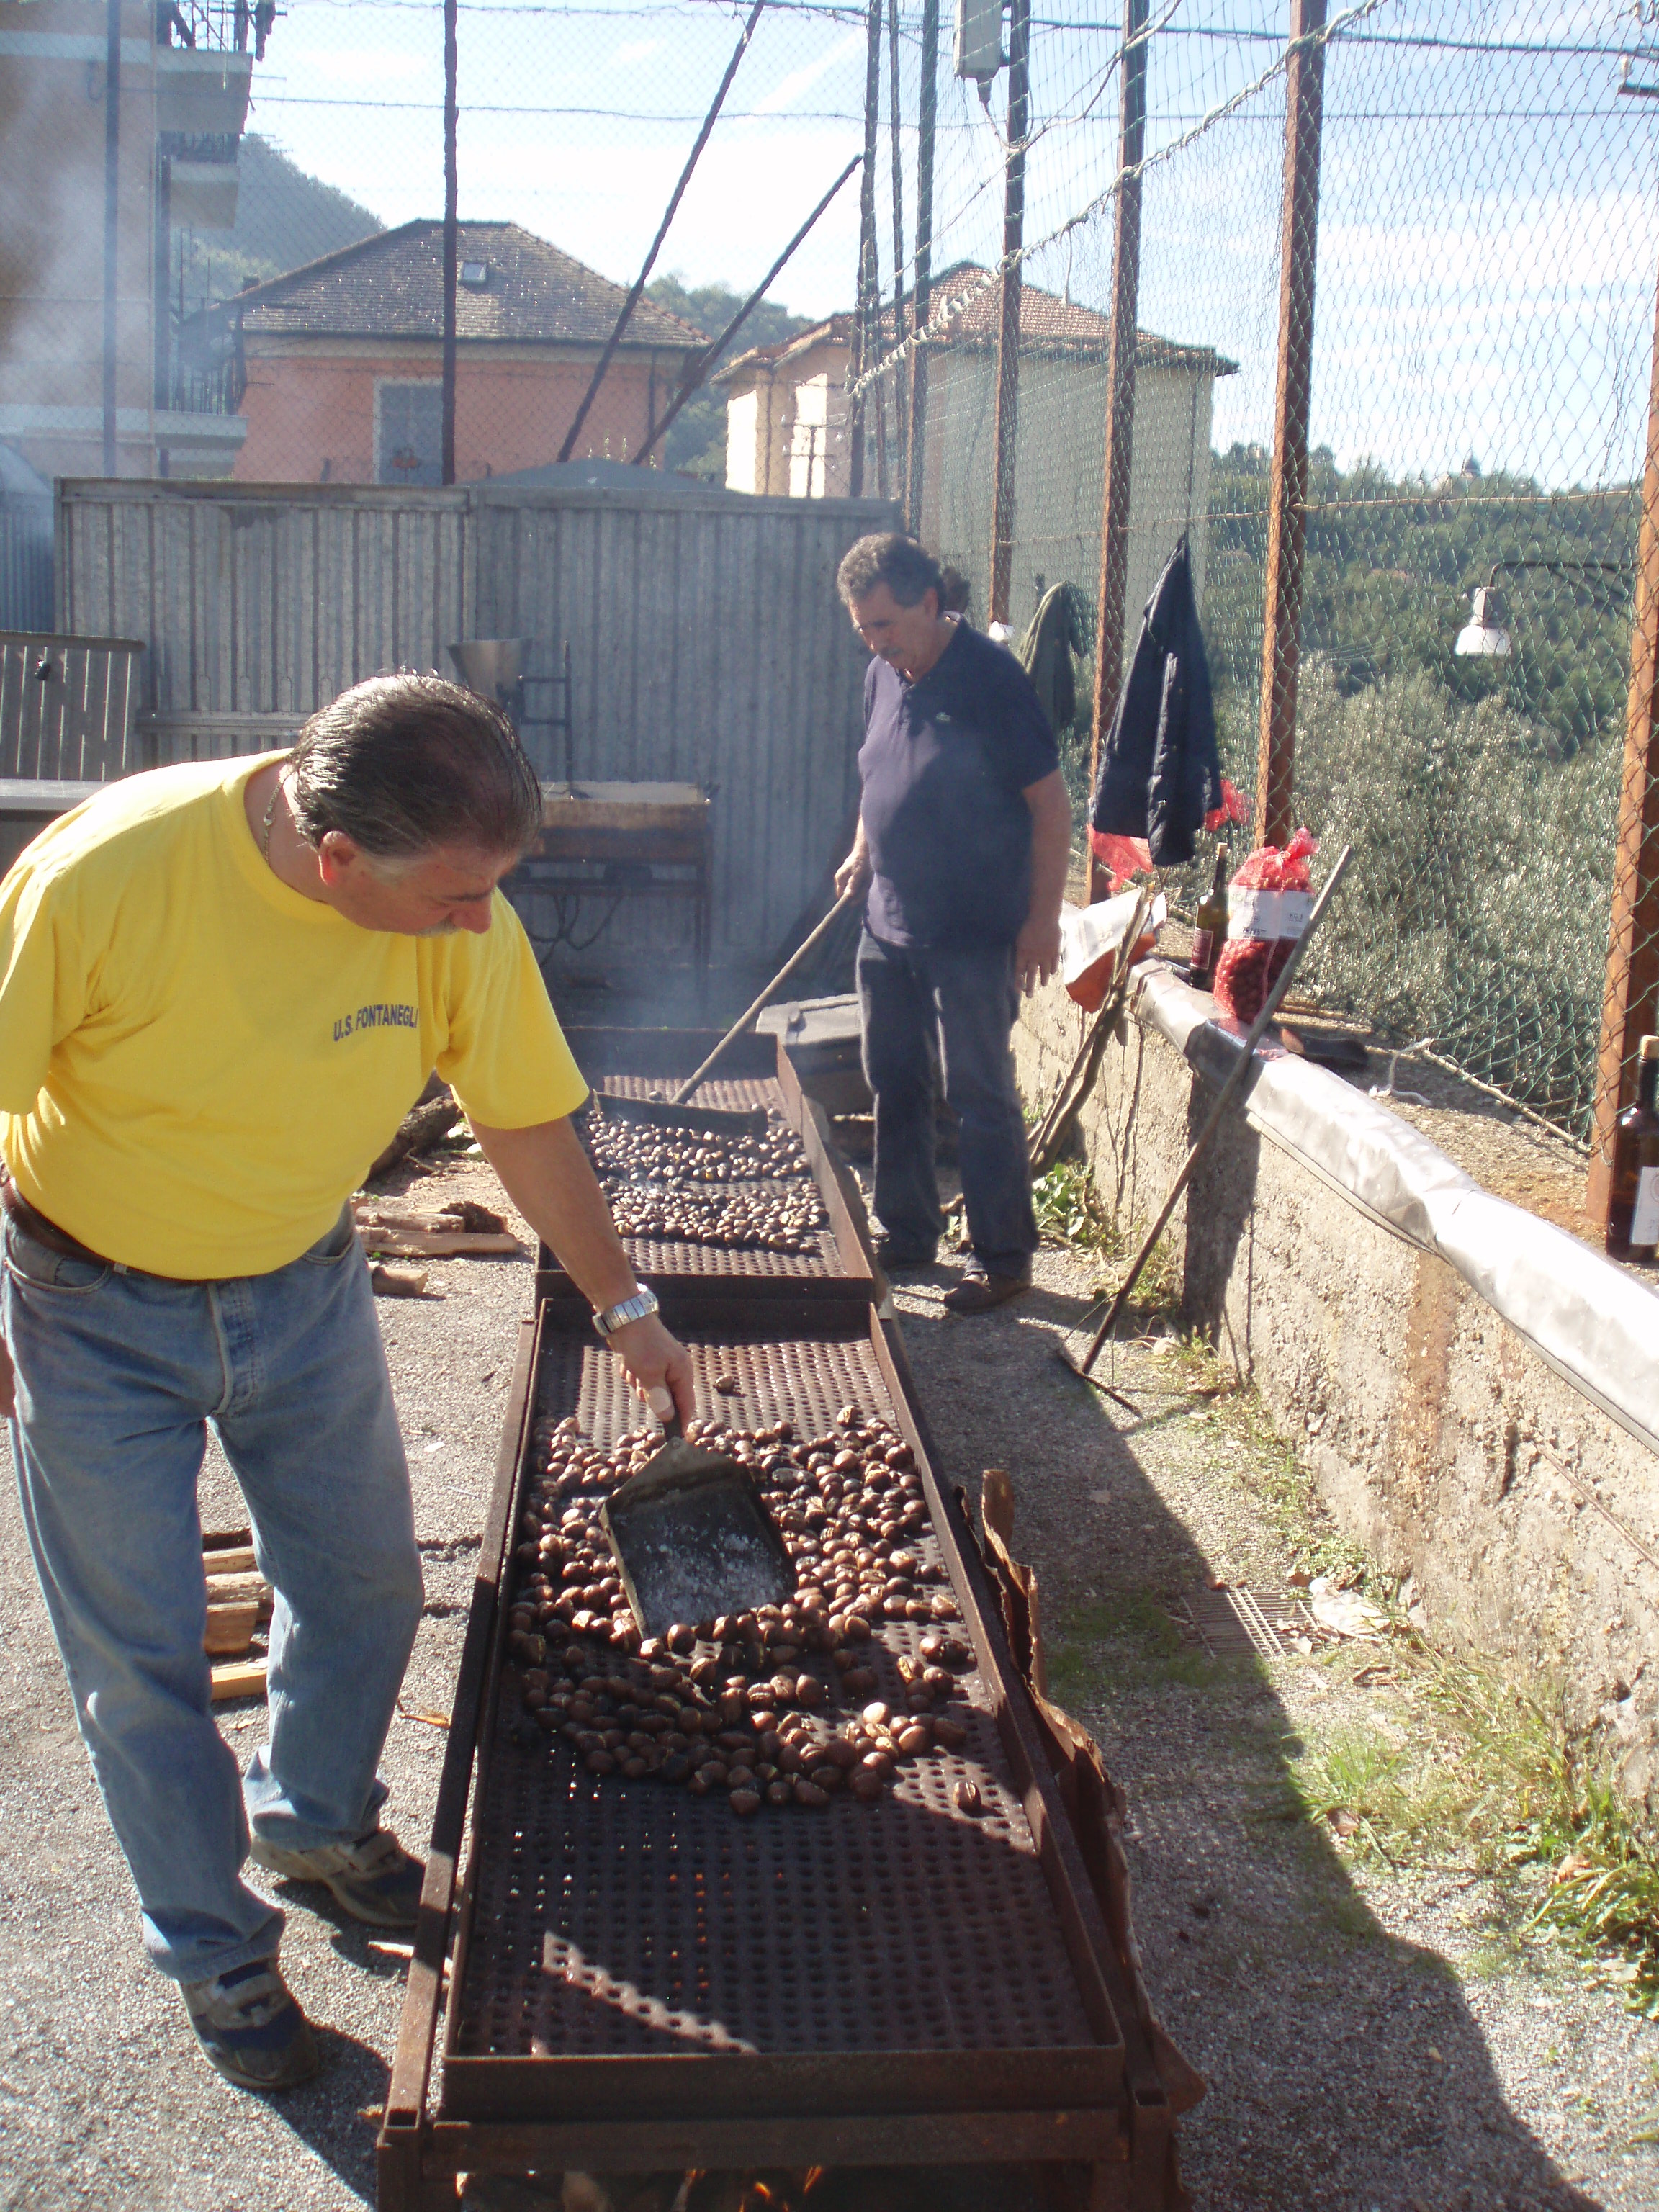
<point x="1268" y="902"/>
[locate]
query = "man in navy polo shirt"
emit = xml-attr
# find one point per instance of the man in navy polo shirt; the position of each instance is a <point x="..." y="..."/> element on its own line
<point x="964" y="835"/>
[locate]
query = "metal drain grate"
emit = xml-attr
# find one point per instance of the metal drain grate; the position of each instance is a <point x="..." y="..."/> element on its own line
<point x="615" y="1917"/>
<point x="1232" y="1621"/>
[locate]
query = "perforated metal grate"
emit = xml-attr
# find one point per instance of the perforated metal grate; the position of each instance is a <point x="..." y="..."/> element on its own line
<point x="736" y="1094"/>
<point x="648" y="1255"/>
<point x="615" y="1918"/>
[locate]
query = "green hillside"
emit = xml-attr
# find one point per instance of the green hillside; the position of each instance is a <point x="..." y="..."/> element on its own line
<point x="696" y="443"/>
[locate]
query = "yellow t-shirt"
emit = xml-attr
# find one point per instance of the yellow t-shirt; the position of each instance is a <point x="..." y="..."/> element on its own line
<point x="197" y="1064"/>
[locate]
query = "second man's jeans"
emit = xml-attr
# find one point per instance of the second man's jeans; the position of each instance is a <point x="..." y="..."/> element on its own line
<point x="118" y="1374"/>
<point x="955" y="1008"/>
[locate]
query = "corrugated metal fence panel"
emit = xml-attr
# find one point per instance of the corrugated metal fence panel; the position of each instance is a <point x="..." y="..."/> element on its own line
<point x="267" y="600"/>
<point x="66" y="705"/>
<point x="25" y="564"/>
<point x="707" y="644"/>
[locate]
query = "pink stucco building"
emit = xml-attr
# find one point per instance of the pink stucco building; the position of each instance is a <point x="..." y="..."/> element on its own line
<point x="343" y="361"/>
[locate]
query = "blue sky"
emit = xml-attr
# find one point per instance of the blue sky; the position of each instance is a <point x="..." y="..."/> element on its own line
<point x="1489" y="232"/>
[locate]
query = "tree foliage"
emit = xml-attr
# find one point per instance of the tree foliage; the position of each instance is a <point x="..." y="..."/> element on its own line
<point x="695" y="445"/>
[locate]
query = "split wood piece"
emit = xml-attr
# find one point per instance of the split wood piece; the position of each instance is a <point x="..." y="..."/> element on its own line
<point x="423" y="1125"/>
<point x="239" y="1590"/>
<point x="462" y="1217"/>
<point x="438" y="1244"/>
<point x="227" y="1560"/>
<point x="398" y="1282"/>
<point x="230" y="1628"/>
<point x="238" y="1678"/>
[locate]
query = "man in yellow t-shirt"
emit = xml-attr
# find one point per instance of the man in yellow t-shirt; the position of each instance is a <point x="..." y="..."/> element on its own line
<point x="220" y="986"/>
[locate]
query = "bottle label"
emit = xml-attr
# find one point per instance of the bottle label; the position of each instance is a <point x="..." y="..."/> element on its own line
<point x="1644" y="1221"/>
<point x="1203" y="949"/>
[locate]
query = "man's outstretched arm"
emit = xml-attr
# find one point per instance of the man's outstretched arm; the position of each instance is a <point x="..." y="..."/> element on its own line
<point x="550" y="1179"/>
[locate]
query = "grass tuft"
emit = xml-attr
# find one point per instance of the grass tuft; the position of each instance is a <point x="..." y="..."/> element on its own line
<point x="1493" y="1778"/>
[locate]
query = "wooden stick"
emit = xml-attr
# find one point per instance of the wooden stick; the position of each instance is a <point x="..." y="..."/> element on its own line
<point x="782" y="976"/>
<point x="238" y="1678"/>
<point x="1235" y="1076"/>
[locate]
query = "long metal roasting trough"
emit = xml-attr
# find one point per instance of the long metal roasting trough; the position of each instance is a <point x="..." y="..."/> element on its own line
<point x="635" y="1068"/>
<point x="624" y="1976"/>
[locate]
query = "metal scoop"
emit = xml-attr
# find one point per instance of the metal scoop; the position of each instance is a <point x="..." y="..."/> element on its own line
<point x="692" y="1539"/>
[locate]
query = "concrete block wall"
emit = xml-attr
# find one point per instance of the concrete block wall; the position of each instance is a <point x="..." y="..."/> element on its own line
<point x="1438" y="1436"/>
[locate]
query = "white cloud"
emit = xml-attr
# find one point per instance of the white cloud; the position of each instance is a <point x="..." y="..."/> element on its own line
<point x="636" y="50"/>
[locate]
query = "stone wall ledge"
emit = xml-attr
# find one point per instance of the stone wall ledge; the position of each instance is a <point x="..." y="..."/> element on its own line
<point x="1595" y="1324"/>
<point x="1474" y="1391"/>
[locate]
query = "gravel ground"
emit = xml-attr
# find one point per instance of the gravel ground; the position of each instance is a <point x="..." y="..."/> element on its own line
<point x="1370" y="2040"/>
<point x="1367" y="2040"/>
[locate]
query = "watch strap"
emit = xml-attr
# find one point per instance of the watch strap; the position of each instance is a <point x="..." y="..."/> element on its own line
<point x="643" y="1303"/>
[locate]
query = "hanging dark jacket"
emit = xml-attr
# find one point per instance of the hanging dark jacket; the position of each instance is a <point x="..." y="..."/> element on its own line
<point x="1160" y="773"/>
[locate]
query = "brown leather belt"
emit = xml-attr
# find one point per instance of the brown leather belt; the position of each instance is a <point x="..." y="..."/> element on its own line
<point x="34" y="1224"/>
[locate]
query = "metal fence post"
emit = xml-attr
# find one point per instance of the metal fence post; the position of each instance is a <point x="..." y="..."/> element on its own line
<point x="1014" y="238"/>
<point x="1287" y="521"/>
<point x="1120" y="395"/>
<point x="865" y="332"/>
<point x="111" y="221"/>
<point x="1631" y="1006"/>
<point x="452" y="242"/>
<point x="921" y="298"/>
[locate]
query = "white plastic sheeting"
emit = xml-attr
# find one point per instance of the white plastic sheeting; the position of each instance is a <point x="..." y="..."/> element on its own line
<point x="1594" y="1323"/>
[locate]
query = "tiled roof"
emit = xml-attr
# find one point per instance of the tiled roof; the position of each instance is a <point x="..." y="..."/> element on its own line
<point x="1046" y="323"/>
<point x="391" y="286"/>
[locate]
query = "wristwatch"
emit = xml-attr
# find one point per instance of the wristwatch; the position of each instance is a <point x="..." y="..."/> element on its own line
<point x="626" y="1310"/>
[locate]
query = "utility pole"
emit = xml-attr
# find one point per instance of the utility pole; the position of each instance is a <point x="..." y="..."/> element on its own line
<point x="922" y="291"/>
<point x="864" y="336"/>
<point x="1287" y="511"/>
<point x="111" y="218"/>
<point x="1120" y="393"/>
<point x="1013" y="239"/>
<point x="451" y="238"/>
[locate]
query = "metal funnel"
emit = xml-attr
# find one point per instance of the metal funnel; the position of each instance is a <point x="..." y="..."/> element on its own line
<point x="493" y="667"/>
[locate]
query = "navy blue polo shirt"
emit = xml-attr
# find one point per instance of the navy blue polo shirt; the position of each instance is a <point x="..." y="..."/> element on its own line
<point x="945" y="764"/>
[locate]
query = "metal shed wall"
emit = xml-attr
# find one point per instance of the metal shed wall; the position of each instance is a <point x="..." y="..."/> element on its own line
<point x="706" y="642"/>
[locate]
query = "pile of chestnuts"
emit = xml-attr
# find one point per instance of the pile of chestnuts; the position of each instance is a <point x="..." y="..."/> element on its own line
<point x="776" y="1707"/>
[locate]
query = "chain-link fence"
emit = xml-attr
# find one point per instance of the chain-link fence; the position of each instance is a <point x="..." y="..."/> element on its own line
<point x="252" y="284"/>
<point x="1477" y="359"/>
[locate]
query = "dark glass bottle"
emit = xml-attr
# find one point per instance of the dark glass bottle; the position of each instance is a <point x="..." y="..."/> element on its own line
<point x="1633" y="1211"/>
<point x="1210" y="927"/>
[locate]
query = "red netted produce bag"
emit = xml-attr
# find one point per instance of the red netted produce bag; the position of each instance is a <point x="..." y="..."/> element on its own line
<point x="1268" y="902"/>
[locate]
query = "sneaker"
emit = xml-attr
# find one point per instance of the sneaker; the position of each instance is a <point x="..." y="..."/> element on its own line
<point x="978" y="1291"/>
<point x="374" y="1879"/>
<point x="251" y="2028"/>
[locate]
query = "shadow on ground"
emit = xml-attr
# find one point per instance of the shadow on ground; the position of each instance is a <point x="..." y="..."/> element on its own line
<point x="1346" y="2067"/>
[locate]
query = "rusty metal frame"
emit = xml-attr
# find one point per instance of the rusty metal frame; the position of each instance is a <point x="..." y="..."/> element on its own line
<point x="1631" y="1006"/>
<point x="1287" y="512"/>
<point x="1005" y="430"/>
<point x="1121" y="362"/>
<point x="747" y="2113"/>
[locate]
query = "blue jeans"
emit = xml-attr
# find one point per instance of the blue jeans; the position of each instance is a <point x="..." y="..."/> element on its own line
<point x="957" y="1008"/>
<point x="118" y="1376"/>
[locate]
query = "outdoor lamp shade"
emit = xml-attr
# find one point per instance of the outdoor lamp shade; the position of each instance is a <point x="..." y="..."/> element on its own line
<point x="1485" y="637"/>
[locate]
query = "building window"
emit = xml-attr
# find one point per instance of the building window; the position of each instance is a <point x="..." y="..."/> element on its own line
<point x="409" y="433"/>
<point x="475" y="273"/>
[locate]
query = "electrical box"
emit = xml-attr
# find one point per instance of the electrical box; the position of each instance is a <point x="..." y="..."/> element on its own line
<point x="979" y="39"/>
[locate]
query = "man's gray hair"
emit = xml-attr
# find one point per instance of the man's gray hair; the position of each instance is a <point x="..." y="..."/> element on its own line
<point x="402" y="764"/>
<point x="888" y="557"/>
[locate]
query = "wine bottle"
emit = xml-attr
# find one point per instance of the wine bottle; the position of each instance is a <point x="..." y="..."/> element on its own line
<point x="1634" y="1210"/>
<point x="1210" y="927"/>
